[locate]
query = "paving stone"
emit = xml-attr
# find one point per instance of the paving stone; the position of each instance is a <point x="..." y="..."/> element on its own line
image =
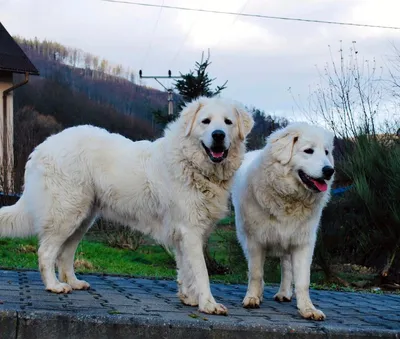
<point x="122" y="307"/>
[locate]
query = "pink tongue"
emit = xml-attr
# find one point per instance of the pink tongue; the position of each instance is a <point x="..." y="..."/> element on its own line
<point x="217" y="154"/>
<point x="321" y="186"/>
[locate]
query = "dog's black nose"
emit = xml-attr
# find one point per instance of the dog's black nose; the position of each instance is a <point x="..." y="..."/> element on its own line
<point x="327" y="172"/>
<point x="218" y="135"/>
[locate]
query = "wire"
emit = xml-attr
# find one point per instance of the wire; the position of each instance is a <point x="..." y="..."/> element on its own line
<point x="233" y="21"/>
<point x="241" y="11"/>
<point x="192" y="25"/>
<point x="152" y="34"/>
<point x="252" y="15"/>
<point x="183" y="42"/>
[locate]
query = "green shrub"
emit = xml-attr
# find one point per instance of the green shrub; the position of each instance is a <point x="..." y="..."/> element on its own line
<point x="363" y="225"/>
<point x="374" y="167"/>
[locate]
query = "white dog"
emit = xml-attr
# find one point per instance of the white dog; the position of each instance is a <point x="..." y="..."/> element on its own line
<point x="174" y="189"/>
<point x="278" y="195"/>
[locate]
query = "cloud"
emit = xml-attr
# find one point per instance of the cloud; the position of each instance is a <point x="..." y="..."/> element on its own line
<point x="260" y="58"/>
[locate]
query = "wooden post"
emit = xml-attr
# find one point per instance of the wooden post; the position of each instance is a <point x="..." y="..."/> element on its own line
<point x="6" y="132"/>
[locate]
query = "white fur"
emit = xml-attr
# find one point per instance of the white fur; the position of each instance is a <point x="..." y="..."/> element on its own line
<point x="168" y="188"/>
<point x="276" y="214"/>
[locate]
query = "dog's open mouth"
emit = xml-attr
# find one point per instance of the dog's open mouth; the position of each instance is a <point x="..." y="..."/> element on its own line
<point x="317" y="185"/>
<point x="216" y="153"/>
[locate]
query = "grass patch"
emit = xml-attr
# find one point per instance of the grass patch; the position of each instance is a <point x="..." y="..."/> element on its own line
<point x="94" y="255"/>
<point x="230" y="220"/>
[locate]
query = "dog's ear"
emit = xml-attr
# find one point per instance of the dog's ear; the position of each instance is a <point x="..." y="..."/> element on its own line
<point x="282" y="143"/>
<point x="245" y="122"/>
<point x="190" y="113"/>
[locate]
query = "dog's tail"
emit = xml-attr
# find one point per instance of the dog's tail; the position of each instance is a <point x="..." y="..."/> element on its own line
<point x="15" y="221"/>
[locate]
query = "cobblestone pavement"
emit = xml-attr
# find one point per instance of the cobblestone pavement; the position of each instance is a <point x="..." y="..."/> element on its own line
<point x="121" y="307"/>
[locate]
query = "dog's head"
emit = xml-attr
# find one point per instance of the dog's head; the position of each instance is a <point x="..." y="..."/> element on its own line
<point x="306" y="151"/>
<point x="216" y="126"/>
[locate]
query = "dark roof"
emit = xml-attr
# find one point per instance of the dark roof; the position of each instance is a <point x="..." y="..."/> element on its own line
<point x="12" y="57"/>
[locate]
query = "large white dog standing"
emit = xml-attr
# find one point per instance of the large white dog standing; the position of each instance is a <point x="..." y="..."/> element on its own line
<point x="174" y="189"/>
<point x="278" y="195"/>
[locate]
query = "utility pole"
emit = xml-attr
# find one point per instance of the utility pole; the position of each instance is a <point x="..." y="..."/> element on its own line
<point x="170" y="91"/>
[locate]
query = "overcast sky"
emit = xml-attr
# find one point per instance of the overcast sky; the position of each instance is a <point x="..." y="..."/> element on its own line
<point x="260" y="58"/>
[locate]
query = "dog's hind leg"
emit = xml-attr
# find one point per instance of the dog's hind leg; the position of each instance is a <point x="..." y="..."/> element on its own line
<point x="49" y="248"/>
<point x="285" y="289"/>
<point x="65" y="260"/>
<point x="256" y="259"/>
<point x="58" y="222"/>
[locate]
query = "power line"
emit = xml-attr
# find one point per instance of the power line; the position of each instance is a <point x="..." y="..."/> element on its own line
<point x="195" y="21"/>
<point x="241" y="11"/>
<point x="184" y="41"/>
<point x="261" y="16"/>
<point x="152" y="34"/>
<point x="233" y="21"/>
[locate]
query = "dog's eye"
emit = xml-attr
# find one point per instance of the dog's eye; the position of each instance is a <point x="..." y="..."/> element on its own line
<point x="309" y="151"/>
<point x="206" y="121"/>
<point x="228" y="122"/>
<point x="326" y="152"/>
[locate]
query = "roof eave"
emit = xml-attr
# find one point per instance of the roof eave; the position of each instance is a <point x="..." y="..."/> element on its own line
<point x="19" y="71"/>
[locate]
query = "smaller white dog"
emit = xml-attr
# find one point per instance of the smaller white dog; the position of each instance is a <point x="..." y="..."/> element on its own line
<point x="278" y="195"/>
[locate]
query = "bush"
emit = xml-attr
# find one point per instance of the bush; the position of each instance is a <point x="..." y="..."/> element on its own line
<point x="124" y="237"/>
<point x="363" y="225"/>
<point x="118" y="236"/>
<point x="375" y="169"/>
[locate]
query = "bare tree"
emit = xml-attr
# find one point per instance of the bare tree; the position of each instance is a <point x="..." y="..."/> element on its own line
<point x="33" y="128"/>
<point x="394" y="87"/>
<point x="104" y="66"/>
<point x="88" y="58"/>
<point x="74" y="56"/>
<point x="132" y="77"/>
<point x="95" y="63"/>
<point x="349" y="94"/>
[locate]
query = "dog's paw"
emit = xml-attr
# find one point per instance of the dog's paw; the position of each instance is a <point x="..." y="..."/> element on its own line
<point x="251" y="302"/>
<point x="283" y="297"/>
<point x="312" y="314"/>
<point x="213" y="308"/>
<point x="79" y="284"/>
<point x="59" y="288"/>
<point x="188" y="300"/>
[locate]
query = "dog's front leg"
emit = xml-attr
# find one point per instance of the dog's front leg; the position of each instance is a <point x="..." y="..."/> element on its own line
<point x="301" y="263"/>
<point x="194" y="270"/>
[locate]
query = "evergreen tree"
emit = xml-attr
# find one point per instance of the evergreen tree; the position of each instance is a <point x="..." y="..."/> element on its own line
<point x="197" y="83"/>
<point x="191" y="86"/>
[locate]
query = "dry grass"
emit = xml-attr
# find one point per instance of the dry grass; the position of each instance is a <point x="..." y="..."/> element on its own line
<point x="27" y="249"/>
<point x="83" y="264"/>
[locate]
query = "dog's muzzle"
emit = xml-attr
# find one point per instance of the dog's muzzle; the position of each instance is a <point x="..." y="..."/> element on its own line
<point x="217" y="152"/>
<point x="314" y="184"/>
